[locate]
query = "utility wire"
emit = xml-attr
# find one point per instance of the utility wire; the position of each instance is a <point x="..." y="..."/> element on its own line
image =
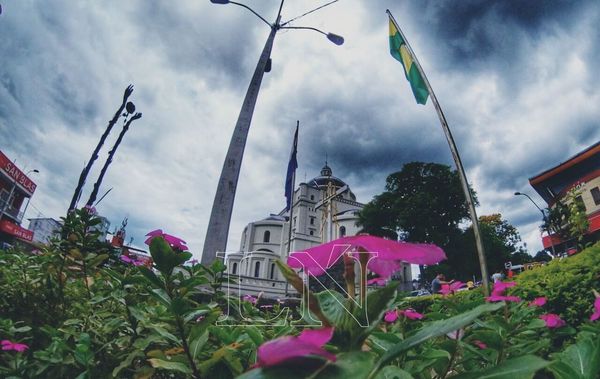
<point x="309" y="12"/>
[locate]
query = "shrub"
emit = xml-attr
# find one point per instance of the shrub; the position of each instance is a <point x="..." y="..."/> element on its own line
<point x="566" y="283"/>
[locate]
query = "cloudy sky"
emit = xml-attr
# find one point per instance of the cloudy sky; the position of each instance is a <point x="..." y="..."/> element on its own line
<point x="517" y="81"/>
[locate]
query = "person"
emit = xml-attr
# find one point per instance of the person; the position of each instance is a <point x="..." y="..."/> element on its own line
<point x="436" y="283"/>
<point x="497" y="277"/>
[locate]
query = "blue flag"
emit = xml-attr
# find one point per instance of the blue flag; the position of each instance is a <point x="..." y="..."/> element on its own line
<point x="292" y="166"/>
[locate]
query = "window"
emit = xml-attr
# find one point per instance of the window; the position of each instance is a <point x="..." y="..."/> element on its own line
<point x="580" y="203"/>
<point x="312" y="197"/>
<point x="312" y="232"/>
<point x="312" y="220"/>
<point x="234" y="268"/>
<point x="267" y="236"/>
<point x="596" y="195"/>
<point x="294" y="221"/>
<point x="342" y="231"/>
<point x="272" y="275"/>
<point x="256" y="269"/>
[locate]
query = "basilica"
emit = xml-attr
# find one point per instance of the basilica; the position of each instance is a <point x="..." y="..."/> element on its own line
<point x="323" y="209"/>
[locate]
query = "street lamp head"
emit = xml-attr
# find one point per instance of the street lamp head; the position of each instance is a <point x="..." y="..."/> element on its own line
<point x="36" y="170"/>
<point x="338" y="40"/>
<point x="219" y="1"/>
<point x="518" y="193"/>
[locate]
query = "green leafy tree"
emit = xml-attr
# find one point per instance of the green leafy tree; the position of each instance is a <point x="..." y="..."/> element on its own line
<point x="502" y="244"/>
<point x="423" y="202"/>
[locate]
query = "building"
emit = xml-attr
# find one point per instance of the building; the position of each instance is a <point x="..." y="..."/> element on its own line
<point x="16" y="188"/>
<point x="581" y="172"/>
<point x="44" y="229"/>
<point x="323" y="209"/>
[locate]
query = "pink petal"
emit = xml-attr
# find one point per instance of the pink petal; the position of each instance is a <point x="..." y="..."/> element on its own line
<point x="155" y="233"/>
<point x="480" y="344"/>
<point x="500" y="287"/>
<point x="383" y="268"/>
<point x="317" y="337"/>
<point x="597" y="304"/>
<point x="391" y="316"/>
<point x="20" y="347"/>
<point x="538" y="302"/>
<point x="445" y="290"/>
<point x="377" y="281"/>
<point x="552" y="320"/>
<point x="412" y="314"/>
<point x="126" y="259"/>
<point x="315" y="261"/>
<point x="595" y="316"/>
<point x="309" y="342"/>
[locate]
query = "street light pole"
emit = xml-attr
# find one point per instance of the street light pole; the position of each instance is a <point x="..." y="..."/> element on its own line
<point x="544" y="217"/>
<point x="220" y="216"/>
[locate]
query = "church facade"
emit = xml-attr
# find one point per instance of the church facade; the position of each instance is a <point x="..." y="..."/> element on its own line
<point x="323" y="209"/>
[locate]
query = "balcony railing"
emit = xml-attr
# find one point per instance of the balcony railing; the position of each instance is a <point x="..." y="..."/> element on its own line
<point x="12" y="212"/>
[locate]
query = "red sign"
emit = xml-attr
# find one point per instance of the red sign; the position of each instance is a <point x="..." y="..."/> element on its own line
<point x="16" y="175"/>
<point x="15" y="230"/>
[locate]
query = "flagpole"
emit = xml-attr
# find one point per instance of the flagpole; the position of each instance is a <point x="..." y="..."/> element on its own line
<point x="457" y="161"/>
<point x="289" y="249"/>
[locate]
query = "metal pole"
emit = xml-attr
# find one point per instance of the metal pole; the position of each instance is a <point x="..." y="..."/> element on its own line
<point x="544" y="217"/>
<point x="220" y="215"/>
<point x="457" y="161"/>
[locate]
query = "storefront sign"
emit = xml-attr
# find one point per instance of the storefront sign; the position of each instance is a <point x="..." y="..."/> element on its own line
<point x="15" y="230"/>
<point x="16" y="175"/>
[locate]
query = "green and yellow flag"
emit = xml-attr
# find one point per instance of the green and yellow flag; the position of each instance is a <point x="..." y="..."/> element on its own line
<point x="399" y="51"/>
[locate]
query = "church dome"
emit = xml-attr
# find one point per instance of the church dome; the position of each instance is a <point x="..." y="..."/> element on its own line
<point x="326" y="176"/>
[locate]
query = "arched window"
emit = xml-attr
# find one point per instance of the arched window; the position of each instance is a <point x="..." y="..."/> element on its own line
<point x="267" y="236"/>
<point x="342" y="231"/>
<point x="256" y="269"/>
<point x="234" y="268"/>
<point x="272" y="275"/>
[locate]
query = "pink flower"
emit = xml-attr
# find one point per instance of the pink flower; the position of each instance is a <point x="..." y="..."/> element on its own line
<point x="411" y="314"/>
<point x="596" y="315"/>
<point x="377" y="281"/>
<point x="8" y="345"/>
<point x="129" y="260"/>
<point x="479" y="344"/>
<point x="447" y="289"/>
<point x="498" y="292"/>
<point x="90" y="210"/>
<point x="309" y="342"/>
<point x="193" y="262"/>
<point x="552" y="320"/>
<point x="386" y="255"/>
<point x="500" y="287"/>
<point x="250" y="299"/>
<point x="391" y="316"/>
<point x="175" y="242"/>
<point x="538" y="302"/>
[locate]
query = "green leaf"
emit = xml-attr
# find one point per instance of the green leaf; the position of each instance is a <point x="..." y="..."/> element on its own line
<point x="437" y="328"/>
<point x="393" y="372"/>
<point x="352" y="365"/>
<point x="98" y="260"/>
<point x="172" y="366"/>
<point x="163" y="255"/>
<point x="378" y="302"/>
<point x="179" y="306"/>
<point x="517" y="368"/>
<point x="161" y="295"/>
<point x="151" y="276"/>
<point x="197" y="344"/>
<point x="127" y="361"/>
<point x="83" y="352"/>
<point x="255" y="335"/>
<point x="580" y="361"/>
